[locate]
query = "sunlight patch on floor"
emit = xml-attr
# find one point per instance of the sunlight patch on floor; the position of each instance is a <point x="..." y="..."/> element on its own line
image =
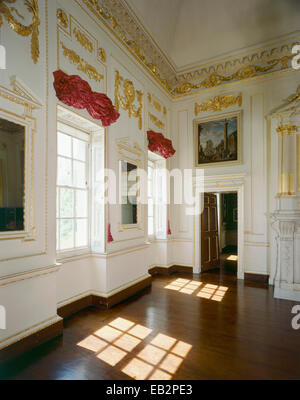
<point x="208" y="291"/>
<point x="157" y="360"/>
<point x="232" y="258"/>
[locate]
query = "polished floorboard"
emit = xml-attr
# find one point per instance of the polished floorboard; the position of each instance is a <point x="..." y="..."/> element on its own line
<point x="184" y="327"/>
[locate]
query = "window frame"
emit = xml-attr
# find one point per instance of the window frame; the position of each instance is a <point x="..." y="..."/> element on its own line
<point x="74" y="133"/>
<point x="158" y="163"/>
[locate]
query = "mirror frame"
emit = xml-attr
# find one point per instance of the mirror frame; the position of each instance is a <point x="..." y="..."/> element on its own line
<point x="29" y="231"/>
<point x="131" y="155"/>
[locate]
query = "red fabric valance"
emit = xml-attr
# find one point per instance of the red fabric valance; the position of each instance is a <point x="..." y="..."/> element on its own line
<point x="75" y="92"/>
<point x="159" y="144"/>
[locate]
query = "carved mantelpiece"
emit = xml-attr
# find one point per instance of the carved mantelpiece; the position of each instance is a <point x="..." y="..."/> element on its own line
<point x="286" y="225"/>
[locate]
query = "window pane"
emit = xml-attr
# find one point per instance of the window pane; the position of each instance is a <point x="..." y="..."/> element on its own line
<point x="66" y="203"/>
<point x="79" y="150"/>
<point x="81" y="204"/>
<point x="57" y="235"/>
<point x="64" y="145"/>
<point x="57" y="203"/>
<point x="79" y="174"/>
<point x="150" y="188"/>
<point x="150" y="208"/>
<point x="66" y="234"/>
<point x="64" y="172"/>
<point x="81" y="233"/>
<point x="150" y="226"/>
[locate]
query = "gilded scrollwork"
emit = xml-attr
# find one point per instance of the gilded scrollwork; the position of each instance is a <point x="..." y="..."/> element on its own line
<point x="218" y="103"/>
<point x="83" y="40"/>
<point x="130" y="94"/>
<point x="19" y="28"/>
<point x="133" y="46"/>
<point x="157" y="122"/>
<point x="177" y="83"/>
<point x="62" y="17"/>
<point x="82" y="65"/>
<point x="102" y="54"/>
<point x="246" y="72"/>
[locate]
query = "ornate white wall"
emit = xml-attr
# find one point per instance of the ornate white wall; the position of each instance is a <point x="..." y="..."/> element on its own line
<point x="32" y="285"/>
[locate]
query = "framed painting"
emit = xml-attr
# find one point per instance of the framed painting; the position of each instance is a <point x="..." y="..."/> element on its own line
<point x="218" y="140"/>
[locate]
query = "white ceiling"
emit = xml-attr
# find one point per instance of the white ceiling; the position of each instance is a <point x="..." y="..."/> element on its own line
<point x="191" y="32"/>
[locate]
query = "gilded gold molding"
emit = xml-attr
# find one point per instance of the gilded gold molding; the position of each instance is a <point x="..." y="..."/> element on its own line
<point x="246" y="72"/>
<point x="82" y="65"/>
<point x="218" y="103"/>
<point x="132" y="45"/>
<point x="118" y="19"/>
<point x="156" y="104"/>
<point x="62" y="17"/>
<point x="157" y="122"/>
<point x="285" y="130"/>
<point x="83" y="40"/>
<point x="102" y="54"/>
<point x="130" y="94"/>
<point x="294" y="97"/>
<point x="20" y="29"/>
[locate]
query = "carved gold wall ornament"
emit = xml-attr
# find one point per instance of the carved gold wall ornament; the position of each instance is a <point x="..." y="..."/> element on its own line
<point x="130" y="95"/>
<point x="20" y="29"/>
<point x="164" y="111"/>
<point x="82" y="65"/>
<point x="287" y="130"/>
<point x="157" y="106"/>
<point x="294" y="97"/>
<point x="218" y="103"/>
<point x="62" y="17"/>
<point x="158" y="123"/>
<point x="102" y="54"/>
<point x="83" y="40"/>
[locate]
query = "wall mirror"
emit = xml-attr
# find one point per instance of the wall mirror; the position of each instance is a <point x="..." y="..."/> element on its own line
<point x="12" y="170"/>
<point x="129" y="193"/>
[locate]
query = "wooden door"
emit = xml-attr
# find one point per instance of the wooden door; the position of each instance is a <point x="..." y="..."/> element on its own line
<point x="210" y="254"/>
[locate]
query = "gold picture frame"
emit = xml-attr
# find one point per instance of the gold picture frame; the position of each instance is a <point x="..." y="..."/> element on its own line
<point x="219" y="151"/>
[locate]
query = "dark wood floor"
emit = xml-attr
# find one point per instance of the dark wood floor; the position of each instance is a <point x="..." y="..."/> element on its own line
<point x="185" y="331"/>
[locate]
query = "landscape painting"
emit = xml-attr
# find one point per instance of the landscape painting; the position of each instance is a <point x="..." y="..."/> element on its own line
<point x="218" y="140"/>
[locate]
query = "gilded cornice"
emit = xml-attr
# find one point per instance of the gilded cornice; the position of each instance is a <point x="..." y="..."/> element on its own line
<point x="121" y="20"/>
<point x="218" y="103"/>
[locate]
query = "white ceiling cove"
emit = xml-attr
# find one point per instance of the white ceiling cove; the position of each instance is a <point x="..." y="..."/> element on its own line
<point x="191" y="32"/>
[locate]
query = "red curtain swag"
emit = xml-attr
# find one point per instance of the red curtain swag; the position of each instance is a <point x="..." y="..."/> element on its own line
<point x="159" y="144"/>
<point x="75" y="92"/>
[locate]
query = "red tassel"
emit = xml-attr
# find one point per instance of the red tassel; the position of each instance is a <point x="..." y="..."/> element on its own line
<point x="110" y="238"/>
<point x="169" y="228"/>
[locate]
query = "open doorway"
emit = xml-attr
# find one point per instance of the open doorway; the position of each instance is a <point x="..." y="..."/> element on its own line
<point x="219" y="233"/>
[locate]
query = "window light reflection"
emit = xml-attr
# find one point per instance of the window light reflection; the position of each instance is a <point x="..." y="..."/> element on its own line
<point x="207" y="291"/>
<point x="121" y="344"/>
